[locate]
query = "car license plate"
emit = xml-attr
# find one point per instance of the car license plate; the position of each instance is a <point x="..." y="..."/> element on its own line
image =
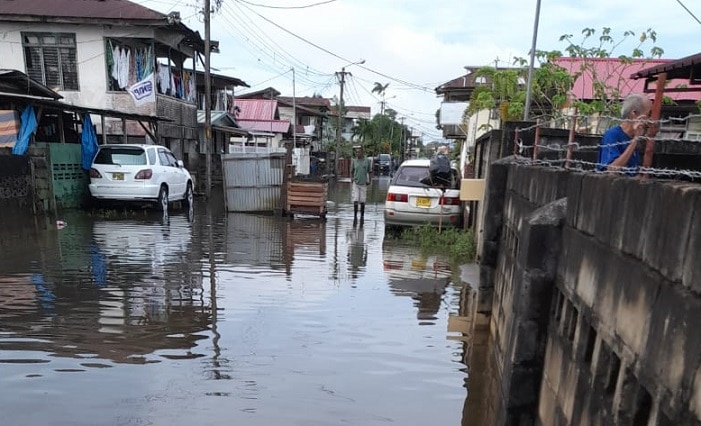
<point x="118" y="176"/>
<point x="423" y="202"/>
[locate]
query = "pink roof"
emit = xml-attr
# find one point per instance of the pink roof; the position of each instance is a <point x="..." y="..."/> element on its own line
<point x="617" y="74"/>
<point x="256" y="109"/>
<point x="272" y="126"/>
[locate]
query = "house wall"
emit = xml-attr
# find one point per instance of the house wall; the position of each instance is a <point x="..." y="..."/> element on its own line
<point x="90" y="55"/>
<point x="93" y="77"/>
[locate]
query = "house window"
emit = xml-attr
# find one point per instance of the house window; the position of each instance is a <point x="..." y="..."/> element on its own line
<point x="50" y="58"/>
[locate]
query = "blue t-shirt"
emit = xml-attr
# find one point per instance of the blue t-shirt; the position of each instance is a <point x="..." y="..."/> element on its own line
<point x="611" y="149"/>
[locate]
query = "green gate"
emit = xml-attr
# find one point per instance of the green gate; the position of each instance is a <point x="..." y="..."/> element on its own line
<point x="70" y="181"/>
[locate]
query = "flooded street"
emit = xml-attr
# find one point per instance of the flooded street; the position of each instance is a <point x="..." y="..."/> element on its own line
<point x="131" y="318"/>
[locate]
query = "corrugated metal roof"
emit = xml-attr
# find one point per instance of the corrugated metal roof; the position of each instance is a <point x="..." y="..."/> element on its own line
<point x="674" y="69"/>
<point x="308" y="101"/>
<point x="365" y="109"/>
<point x="97" y="9"/>
<point x="255" y="109"/>
<point x="215" y="116"/>
<point x="13" y="81"/>
<point x="617" y="74"/>
<point x="274" y="126"/>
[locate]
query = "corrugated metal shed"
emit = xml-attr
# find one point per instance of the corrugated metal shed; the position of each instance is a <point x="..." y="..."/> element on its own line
<point x="96" y="9"/>
<point x="253" y="181"/>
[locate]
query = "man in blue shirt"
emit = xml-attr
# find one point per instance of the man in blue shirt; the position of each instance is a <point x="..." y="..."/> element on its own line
<point x="614" y="152"/>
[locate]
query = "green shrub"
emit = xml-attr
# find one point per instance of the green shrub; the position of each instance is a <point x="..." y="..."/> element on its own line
<point x="458" y="244"/>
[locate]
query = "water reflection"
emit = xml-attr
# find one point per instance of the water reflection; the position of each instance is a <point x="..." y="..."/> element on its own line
<point x="357" y="250"/>
<point x="414" y="274"/>
<point x="144" y="319"/>
<point x="118" y="290"/>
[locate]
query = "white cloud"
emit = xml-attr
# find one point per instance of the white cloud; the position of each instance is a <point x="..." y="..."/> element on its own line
<point x="419" y="41"/>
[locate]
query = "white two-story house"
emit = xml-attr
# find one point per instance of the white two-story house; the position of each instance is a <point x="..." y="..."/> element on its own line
<point x="111" y="54"/>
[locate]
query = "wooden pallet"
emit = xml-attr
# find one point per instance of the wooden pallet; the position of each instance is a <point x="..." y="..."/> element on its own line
<point x="306" y="198"/>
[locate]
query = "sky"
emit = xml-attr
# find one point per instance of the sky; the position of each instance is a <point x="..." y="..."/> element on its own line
<point x="414" y="45"/>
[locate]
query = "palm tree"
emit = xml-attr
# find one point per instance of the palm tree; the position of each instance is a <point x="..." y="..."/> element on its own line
<point x="380" y="89"/>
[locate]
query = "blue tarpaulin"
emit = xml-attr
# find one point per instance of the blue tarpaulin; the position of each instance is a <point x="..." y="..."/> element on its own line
<point x="89" y="142"/>
<point x="29" y="126"/>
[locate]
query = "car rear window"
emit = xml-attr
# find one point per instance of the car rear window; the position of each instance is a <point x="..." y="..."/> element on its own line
<point x="414" y="175"/>
<point x="385" y="157"/>
<point x="410" y="176"/>
<point x="126" y="156"/>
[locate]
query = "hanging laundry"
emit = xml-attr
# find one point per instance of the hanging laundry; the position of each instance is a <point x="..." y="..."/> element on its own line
<point x="28" y="127"/>
<point x="124" y="69"/>
<point x="131" y="58"/>
<point x="116" y="53"/>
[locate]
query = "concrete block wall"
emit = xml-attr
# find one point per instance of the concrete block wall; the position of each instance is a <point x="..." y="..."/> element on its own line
<point x="522" y="233"/>
<point x="625" y="349"/>
<point x="596" y="307"/>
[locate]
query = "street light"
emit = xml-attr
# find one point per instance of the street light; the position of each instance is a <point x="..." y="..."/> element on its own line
<point x="339" y="110"/>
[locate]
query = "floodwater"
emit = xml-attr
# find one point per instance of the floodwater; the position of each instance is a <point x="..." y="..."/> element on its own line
<point x="132" y="318"/>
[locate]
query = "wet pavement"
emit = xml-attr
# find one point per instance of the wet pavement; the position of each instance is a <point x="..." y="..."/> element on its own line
<point x="132" y="318"/>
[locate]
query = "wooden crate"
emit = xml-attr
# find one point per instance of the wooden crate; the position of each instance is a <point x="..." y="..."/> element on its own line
<point x="306" y="198"/>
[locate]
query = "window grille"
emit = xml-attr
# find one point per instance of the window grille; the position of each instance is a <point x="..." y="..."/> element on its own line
<point x="50" y="58"/>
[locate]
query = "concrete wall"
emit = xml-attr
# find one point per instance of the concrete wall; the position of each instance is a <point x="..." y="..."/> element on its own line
<point x="595" y="296"/>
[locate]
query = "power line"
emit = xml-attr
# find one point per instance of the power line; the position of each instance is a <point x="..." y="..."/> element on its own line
<point x="287" y="7"/>
<point x="688" y="11"/>
<point x="406" y="83"/>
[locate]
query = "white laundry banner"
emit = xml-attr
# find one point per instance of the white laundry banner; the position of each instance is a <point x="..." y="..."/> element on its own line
<point x="144" y="91"/>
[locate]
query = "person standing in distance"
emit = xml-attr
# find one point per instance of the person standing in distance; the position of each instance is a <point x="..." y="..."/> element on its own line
<point x="614" y="153"/>
<point x="360" y="173"/>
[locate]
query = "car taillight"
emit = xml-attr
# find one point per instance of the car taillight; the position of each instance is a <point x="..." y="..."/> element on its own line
<point x="95" y="174"/>
<point x="401" y="198"/>
<point x="144" y="174"/>
<point x="450" y="201"/>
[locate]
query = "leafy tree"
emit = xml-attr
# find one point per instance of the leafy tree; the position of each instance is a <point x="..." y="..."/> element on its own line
<point x="382" y="134"/>
<point x="552" y="85"/>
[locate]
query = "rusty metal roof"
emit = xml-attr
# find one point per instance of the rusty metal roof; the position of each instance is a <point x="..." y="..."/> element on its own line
<point x="219" y="81"/>
<point x="57" y="105"/>
<point x="93" y="9"/>
<point x="13" y="81"/>
<point x="98" y="12"/>
<point x="308" y="101"/>
<point x="688" y="68"/>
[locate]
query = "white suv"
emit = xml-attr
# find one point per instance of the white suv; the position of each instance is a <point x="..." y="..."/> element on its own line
<point x="411" y="201"/>
<point x="140" y="173"/>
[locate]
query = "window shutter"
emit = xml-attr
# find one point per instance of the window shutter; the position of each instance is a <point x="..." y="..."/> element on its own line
<point x="52" y="68"/>
<point x="32" y="57"/>
<point x="69" y="68"/>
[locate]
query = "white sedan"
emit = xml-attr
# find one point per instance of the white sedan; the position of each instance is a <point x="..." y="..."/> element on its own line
<point x="140" y="173"/>
<point x="413" y="201"/>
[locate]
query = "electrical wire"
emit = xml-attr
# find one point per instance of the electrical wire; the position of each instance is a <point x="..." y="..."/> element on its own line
<point x="398" y="80"/>
<point x="688" y="11"/>
<point x="287" y="7"/>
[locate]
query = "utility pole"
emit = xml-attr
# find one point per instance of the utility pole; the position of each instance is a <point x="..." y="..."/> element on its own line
<point x="339" y="110"/>
<point x="402" y="142"/>
<point x="294" y="111"/>
<point x="529" y="88"/>
<point x="207" y="98"/>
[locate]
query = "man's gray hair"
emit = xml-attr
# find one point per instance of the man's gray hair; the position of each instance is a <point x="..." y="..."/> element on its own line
<point x="634" y="102"/>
